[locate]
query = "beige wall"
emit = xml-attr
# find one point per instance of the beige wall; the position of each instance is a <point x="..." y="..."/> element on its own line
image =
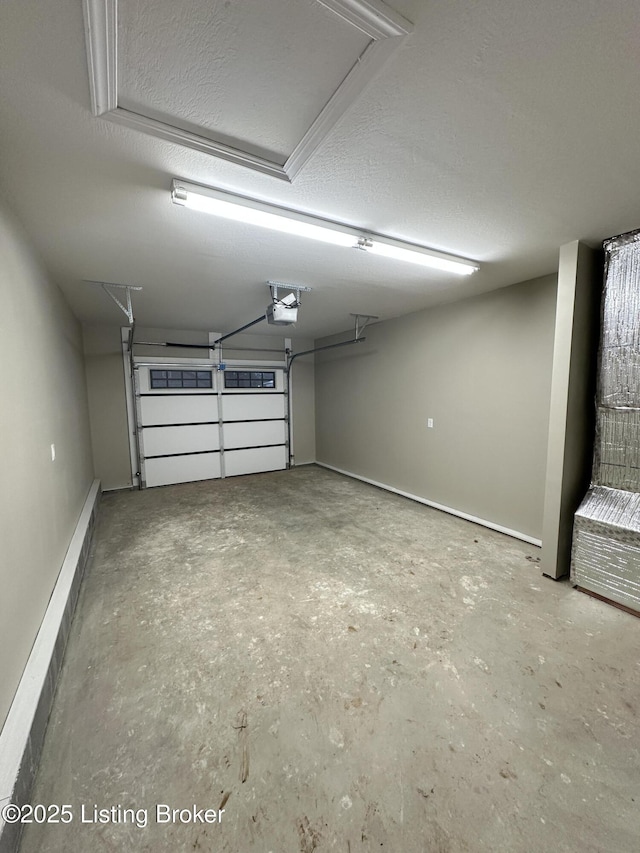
<point x="573" y="393"/>
<point x="107" y="406"/>
<point x="304" y="405"/>
<point x="106" y="390"/>
<point x="481" y="368"/>
<point x="44" y="402"/>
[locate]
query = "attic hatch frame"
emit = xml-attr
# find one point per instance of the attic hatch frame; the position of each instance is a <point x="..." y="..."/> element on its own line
<point x="385" y="28"/>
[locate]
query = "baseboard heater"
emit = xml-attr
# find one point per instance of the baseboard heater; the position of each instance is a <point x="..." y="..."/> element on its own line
<point x="23" y="733"/>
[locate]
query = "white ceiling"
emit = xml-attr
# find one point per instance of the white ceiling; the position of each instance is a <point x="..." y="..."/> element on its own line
<point x="496" y="130"/>
<point x="234" y="68"/>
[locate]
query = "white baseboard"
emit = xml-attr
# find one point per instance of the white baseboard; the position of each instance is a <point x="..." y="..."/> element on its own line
<point x="515" y="533"/>
<point x="23" y="733"/>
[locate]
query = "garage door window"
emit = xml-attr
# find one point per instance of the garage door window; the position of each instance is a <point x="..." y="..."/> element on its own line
<point x="249" y="379"/>
<point x="180" y="379"/>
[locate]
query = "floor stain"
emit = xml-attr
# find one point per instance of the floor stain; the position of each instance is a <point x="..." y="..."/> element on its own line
<point x="309" y="837"/>
<point x="241" y="727"/>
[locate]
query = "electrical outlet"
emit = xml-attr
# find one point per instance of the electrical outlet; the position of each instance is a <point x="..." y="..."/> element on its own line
<point x="430" y="423"/>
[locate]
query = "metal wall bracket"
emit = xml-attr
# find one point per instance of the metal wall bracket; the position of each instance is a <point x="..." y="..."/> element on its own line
<point x="291" y="288"/>
<point x="111" y="289"/>
<point x="361" y="322"/>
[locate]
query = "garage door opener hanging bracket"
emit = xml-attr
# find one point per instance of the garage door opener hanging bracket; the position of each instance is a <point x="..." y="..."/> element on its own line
<point x="112" y="290"/>
<point x="361" y="323"/>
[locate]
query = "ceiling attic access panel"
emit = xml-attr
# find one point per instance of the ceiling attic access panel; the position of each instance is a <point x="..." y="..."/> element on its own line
<point x="249" y="73"/>
<point x="259" y="84"/>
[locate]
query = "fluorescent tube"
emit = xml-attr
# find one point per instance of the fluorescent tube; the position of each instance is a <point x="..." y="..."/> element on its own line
<point x="254" y="212"/>
<point x="423" y="257"/>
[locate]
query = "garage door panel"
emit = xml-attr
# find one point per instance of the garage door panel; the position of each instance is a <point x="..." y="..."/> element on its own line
<point x="247" y="407"/>
<point x="254" y="434"/>
<point x="182" y="469"/>
<point x="253" y="461"/>
<point x="179" y="409"/>
<point x="189" y="434"/>
<point x="161" y="441"/>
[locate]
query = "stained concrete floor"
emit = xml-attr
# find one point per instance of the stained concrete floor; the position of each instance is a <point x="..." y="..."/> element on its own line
<point x="339" y="669"/>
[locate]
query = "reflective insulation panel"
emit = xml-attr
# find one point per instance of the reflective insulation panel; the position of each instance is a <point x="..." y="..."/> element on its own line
<point x="605" y="556"/>
<point x="619" y="376"/>
<point x="617" y="449"/>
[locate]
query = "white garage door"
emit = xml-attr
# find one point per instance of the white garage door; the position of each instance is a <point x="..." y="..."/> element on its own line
<point x="254" y="426"/>
<point x="198" y="423"/>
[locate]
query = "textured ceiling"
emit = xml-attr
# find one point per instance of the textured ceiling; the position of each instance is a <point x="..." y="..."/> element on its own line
<point x="253" y="72"/>
<point x="498" y="131"/>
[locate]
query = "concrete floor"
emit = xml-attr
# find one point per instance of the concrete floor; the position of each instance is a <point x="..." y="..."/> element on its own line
<point x="339" y="669"/>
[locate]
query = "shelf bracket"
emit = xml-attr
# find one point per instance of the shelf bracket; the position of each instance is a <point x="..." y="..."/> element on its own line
<point x="361" y="323"/>
<point x="112" y="289"/>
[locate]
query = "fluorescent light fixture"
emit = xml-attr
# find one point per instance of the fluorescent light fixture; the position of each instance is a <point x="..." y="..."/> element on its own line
<point x="417" y="255"/>
<point x="254" y="212"/>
